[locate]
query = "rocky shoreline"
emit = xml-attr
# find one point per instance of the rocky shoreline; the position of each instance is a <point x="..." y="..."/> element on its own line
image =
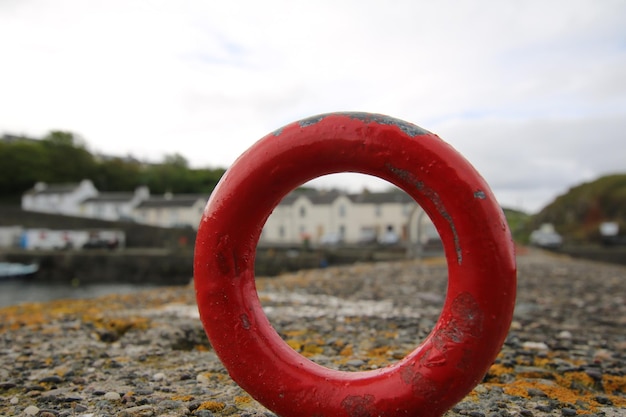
<point x="146" y="354"/>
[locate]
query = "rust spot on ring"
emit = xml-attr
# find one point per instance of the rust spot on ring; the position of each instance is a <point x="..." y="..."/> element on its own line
<point x="434" y="197"/>
<point x="420" y="385"/>
<point x="480" y="194"/>
<point x="359" y="406"/>
<point x="312" y="120"/>
<point x="223" y="253"/>
<point x="408" y="128"/>
<point x="466" y="321"/>
<point x="467" y="311"/>
<point x="245" y="321"/>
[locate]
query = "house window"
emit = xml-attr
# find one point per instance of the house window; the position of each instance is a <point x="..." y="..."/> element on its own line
<point x="342" y="211"/>
<point x="378" y="210"/>
<point x="302" y="211"/>
<point x="281" y="231"/>
<point x="342" y="230"/>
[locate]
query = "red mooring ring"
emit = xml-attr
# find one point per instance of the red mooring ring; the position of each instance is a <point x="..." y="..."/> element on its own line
<point x="481" y="265"/>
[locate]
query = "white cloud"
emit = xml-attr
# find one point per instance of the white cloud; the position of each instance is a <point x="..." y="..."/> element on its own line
<point x="520" y="88"/>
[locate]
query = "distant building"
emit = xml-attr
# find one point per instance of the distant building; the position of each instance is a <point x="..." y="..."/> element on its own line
<point x="333" y="217"/>
<point x="319" y="217"/>
<point x="114" y="206"/>
<point x="169" y="210"/>
<point x="84" y="200"/>
<point x="58" y="198"/>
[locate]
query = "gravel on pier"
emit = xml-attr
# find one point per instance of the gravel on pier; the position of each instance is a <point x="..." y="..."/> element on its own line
<point x="146" y="354"/>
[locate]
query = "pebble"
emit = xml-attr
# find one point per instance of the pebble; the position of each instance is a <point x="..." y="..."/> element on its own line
<point x="31" y="410"/>
<point x="355" y="363"/>
<point x="564" y="351"/>
<point x="55" y="379"/>
<point x="565" y="334"/>
<point x="140" y="410"/>
<point x="535" y="346"/>
<point x="112" y="396"/>
<point x="159" y="376"/>
<point x="534" y="392"/>
<point x="203" y="378"/>
<point x="602" y="399"/>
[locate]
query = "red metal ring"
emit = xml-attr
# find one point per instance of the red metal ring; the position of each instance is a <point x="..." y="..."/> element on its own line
<point x="481" y="265"/>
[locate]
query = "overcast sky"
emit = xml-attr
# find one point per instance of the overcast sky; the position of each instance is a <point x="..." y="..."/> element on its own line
<point x="532" y="93"/>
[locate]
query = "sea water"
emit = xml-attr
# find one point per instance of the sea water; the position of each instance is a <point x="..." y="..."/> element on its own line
<point x="18" y="291"/>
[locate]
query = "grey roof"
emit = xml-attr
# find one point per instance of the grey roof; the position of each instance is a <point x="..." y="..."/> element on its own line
<point x="314" y="196"/>
<point x="324" y="197"/>
<point x="55" y="189"/>
<point x="327" y="197"/>
<point x="290" y="198"/>
<point x="183" y="200"/>
<point x="381" y="198"/>
<point x="110" y="198"/>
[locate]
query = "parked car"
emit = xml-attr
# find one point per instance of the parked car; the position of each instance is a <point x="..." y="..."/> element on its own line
<point x="389" y="238"/>
<point x="367" y="236"/>
<point x="546" y="237"/>
<point x="331" y="239"/>
<point x="98" y="243"/>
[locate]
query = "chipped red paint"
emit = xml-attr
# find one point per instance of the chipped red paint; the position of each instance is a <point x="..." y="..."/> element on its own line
<point x="479" y="250"/>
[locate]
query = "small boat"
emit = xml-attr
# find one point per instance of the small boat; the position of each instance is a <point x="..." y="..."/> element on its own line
<point x="17" y="270"/>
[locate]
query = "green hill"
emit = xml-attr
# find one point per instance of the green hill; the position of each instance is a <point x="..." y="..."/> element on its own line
<point x="518" y="221"/>
<point x="577" y="214"/>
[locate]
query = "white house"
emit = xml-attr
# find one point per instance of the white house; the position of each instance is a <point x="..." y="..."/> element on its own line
<point x="316" y="216"/>
<point x="84" y="200"/>
<point x="349" y="218"/>
<point x="184" y="210"/>
<point x="113" y="206"/>
<point x="58" y="198"/>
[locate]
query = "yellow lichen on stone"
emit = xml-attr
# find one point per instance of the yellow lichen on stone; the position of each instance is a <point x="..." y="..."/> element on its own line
<point x="497" y="370"/>
<point x="311" y="349"/>
<point x="542" y="361"/>
<point x="243" y="400"/>
<point x="613" y="384"/>
<point x="182" y="398"/>
<point x="118" y="325"/>
<point x="347" y="351"/>
<point x="212" y="406"/>
<point x="294" y="344"/>
<point x="575" y="380"/>
<point x="562" y="390"/>
<point x="202" y="348"/>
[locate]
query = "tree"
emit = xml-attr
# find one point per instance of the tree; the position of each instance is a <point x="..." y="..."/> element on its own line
<point x="67" y="158"/>
<point x="176" y="160"/>
<point x="22" y="164"/>
<point x="63" y="157"/>
<point x="62" y="138"/>
<point x="117" y="174"/>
